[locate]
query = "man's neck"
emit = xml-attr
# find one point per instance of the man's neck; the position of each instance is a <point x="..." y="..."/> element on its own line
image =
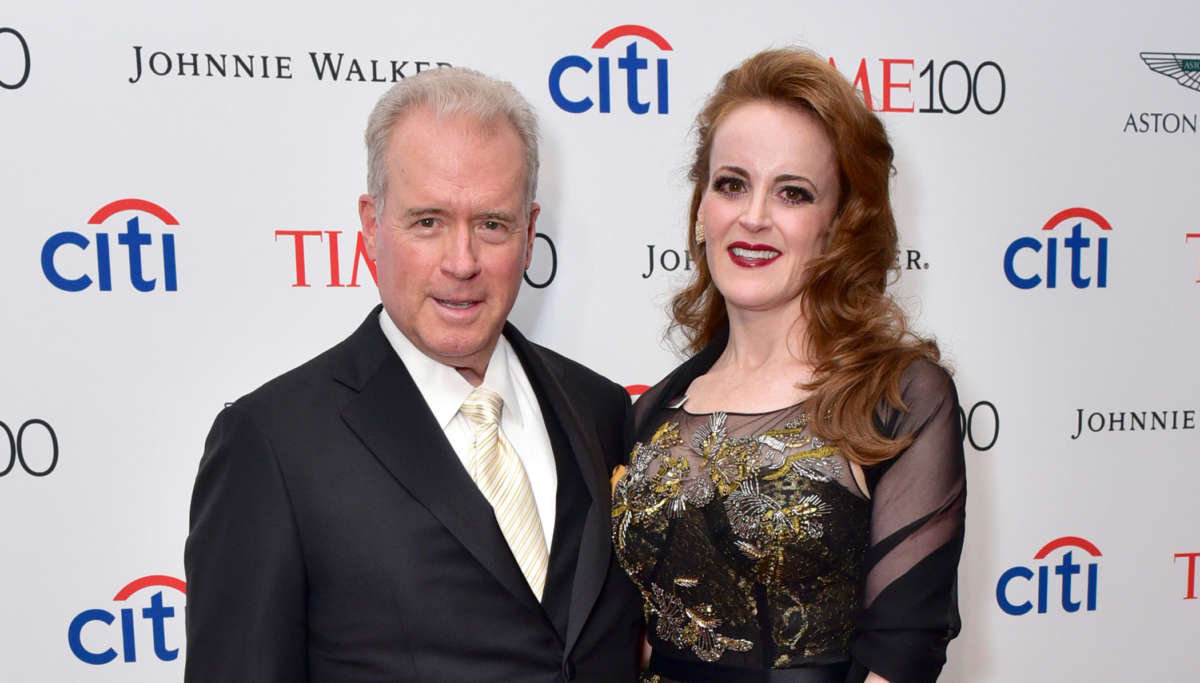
<point x="474" y="376"/>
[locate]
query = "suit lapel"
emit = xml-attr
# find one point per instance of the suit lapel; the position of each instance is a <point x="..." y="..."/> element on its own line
<point x="395" y="424"/>
<point x="591" y="567"/>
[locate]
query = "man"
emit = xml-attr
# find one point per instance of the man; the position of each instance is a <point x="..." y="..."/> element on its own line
<point x="429" y="499"/>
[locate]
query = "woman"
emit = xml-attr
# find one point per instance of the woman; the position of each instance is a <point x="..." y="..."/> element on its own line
<point x="793" y="507"/>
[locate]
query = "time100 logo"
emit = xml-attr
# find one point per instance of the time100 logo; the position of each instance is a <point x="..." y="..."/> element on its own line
<point x="953" y="87"/>
<point x="19" y="448"/>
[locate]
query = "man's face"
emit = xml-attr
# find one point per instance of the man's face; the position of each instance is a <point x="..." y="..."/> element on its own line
<point x="454" y="236"/>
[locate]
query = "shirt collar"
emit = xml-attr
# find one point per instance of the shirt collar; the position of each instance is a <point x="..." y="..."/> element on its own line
<point x="443" y="389"/>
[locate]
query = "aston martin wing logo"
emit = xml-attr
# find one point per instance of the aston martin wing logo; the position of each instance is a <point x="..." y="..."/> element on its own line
<point x="1183" y="67"/>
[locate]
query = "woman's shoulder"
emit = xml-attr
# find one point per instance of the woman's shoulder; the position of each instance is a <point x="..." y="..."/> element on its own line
<point x="924" y="378"/>
<point x="657" y="397"/>
<point x="926" y="389"/>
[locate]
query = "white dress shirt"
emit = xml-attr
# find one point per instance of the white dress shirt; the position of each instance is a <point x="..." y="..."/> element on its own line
<point x="444" y="391"/>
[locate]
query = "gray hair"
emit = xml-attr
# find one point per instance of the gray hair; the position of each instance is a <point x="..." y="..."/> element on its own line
<point x="449" y="91"/>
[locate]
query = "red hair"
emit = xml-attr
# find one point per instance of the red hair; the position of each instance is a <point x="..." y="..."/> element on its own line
<point x="857" y="336"/>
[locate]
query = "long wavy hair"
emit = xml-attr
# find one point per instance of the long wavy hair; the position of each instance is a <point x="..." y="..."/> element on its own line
<point x="856" y="335"/>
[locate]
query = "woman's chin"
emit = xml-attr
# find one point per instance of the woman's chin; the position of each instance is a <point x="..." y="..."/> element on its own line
<point x="759" y="302"/>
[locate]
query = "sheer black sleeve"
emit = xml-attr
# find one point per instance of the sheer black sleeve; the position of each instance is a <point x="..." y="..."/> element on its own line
<point x="910" y="606"/>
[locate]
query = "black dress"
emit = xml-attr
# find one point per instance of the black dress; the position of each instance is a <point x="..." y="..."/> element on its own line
<point x="759" y="557"/>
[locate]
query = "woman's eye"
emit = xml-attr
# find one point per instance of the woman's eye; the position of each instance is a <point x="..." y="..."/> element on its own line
<point x="729" y="185"/>
<point x="796" y="195"/>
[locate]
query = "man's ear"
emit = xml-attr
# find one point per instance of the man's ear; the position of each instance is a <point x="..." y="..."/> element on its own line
<point x="534" y="210"/>
<point x="369" y="221"/>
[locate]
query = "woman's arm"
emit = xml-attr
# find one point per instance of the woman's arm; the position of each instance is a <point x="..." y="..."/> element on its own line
<point x="918" y="498"/>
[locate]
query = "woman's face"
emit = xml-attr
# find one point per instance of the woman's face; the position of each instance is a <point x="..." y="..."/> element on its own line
<point x="770" y="201"/>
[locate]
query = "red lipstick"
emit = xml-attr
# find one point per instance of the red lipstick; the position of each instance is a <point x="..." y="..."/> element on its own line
<point x="749" y="255"/>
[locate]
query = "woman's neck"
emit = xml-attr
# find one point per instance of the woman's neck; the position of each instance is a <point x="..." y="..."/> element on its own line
<point x="764" y="365"/>
<point x="766" y="340"/>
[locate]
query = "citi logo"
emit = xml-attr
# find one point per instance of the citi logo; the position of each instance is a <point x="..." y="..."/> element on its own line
<point x="1085" y="258"/>
<point x="1020" y="586"/>
<point x="69" y="278"/>
<point x="91" y="633"/>
<point x="573" y="91"/>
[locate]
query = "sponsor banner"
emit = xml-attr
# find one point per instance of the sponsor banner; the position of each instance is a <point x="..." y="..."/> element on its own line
<point x="33" y="445"/>
<point x="17" y="58"/>
<point x="137" y="265"/>
<point x="1190" y="560"/>
<point x="179" y="202"/>
<point x="1074" y="580"/>
<point x="908" y="86"/>
<point x="595" y="90"/>
<point x="1085" y="264"/>
<point x="110" y="634"/>
<point x="1184" y="69"/>
<point x="322" y="66"/>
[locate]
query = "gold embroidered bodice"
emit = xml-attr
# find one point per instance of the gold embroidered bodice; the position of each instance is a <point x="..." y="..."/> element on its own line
<point x="745" y="535"/>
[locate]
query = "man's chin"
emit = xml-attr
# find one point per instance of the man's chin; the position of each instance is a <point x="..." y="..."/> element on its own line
<point x="465" y="351"/>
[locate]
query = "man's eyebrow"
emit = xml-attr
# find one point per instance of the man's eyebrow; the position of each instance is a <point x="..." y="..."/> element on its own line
<point x="496" y="215"/>
<point x="483" y="215"/>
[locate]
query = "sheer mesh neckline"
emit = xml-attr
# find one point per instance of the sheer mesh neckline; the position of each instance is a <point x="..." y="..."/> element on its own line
<point x="680" y="403"/>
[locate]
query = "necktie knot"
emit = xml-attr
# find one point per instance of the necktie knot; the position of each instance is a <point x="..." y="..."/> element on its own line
<point x="482" y="408"/>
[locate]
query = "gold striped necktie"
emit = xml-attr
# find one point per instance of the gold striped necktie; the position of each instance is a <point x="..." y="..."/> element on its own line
<point x="501" y="478"/>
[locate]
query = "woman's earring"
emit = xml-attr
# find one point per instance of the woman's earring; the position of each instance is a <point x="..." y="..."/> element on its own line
<point x="699" y="234"/>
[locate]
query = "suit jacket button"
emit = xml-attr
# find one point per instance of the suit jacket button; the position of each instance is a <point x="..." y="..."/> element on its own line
<point x="569" y="670"/>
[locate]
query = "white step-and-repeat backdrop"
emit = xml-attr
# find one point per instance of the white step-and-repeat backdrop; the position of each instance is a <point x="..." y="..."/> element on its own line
<point x="178" y="193"/>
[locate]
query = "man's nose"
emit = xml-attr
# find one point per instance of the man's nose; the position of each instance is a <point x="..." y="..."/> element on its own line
<point x="460" y="259"/>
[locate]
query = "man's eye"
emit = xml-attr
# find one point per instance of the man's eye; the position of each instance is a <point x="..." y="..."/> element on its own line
<point x="427" y="222"/>
<point x="493" y="225"/>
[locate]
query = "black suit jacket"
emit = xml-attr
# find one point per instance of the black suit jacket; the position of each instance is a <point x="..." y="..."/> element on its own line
<point x="335" y="535"/>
